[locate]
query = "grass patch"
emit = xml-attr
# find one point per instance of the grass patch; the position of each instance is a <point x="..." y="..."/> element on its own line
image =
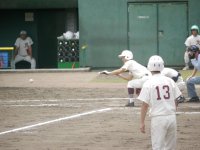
<point x="115" y="79"/>
<point x="187" y="73"/>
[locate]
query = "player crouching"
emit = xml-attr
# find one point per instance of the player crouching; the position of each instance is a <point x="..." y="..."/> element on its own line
<point x="138" y="74"/>
<point x="178" y="79"/>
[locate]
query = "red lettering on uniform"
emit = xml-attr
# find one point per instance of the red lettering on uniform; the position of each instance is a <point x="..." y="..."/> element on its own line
<point x="165" y="89"/>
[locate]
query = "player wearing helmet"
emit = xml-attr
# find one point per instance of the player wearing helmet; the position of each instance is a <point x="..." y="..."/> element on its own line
<point x="194" y="39"/>
<point x="178" y="79"/>
<point x="194" y="55"/>
<point x="160" y="94"/>
<point x="138" y="74"/>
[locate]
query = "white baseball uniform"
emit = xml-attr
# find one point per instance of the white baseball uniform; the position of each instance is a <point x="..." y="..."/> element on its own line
<point x="171" y="73"/>
<point x="22" y="52"/>
<point x="140" y="73"/>
<point x="191" y="40"/>
<point x="160" y="92"/>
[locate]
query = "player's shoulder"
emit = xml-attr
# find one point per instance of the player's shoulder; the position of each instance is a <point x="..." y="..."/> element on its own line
<point x="18" y="39"/>
<point x="130" y="62"/>
<point x="29" y="38"/>
<point x="190" y="37"/>
<point x="198" y="36"/>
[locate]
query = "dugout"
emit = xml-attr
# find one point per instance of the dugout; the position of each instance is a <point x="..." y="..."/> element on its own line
<point x="106" y="27"/>
<point x="44" y="20"/>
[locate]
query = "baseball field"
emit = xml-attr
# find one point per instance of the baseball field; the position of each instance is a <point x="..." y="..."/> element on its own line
<point x="79" y="111"/>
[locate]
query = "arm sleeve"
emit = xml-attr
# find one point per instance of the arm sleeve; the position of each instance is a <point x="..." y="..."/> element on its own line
<point x="126" y="66"/>
<point x="17" y="42"/>
<point x="187" y="42"/>
<point x="196" y="63"/>
<point x="145" y="94"/>
<point x="30" y="41"/>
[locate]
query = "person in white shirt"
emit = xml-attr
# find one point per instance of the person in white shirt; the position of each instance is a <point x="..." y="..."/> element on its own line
<point x="160" y="94"/>
<point x="138" y="74"/>
<point x="178" y="79"/>
<point x="23" y="50"/>
<point x="194" y="39"/>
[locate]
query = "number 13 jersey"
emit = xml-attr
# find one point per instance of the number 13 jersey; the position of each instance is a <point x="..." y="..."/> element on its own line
<point x="160" y="92"/>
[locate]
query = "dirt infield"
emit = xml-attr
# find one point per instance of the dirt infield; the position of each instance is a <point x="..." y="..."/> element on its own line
<point x="79" y="111"/>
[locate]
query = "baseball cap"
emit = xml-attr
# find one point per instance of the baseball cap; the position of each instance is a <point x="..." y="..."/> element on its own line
<point x="23" y="32"/>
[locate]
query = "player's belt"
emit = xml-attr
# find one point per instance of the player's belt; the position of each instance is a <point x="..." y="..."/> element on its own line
<point x="23" y="55"/>
<point x="176" y="78"/>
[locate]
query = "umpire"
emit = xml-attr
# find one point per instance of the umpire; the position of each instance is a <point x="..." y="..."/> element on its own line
<point x="194" y="55"/>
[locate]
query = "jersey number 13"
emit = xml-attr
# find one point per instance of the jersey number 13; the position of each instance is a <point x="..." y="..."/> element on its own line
<point x="164" y="90"/>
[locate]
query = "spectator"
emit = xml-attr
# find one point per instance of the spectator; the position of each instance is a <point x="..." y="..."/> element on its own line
<point x="23" y="50"/>
<point x="194" y="39"/>
<point x="194" y="55"/>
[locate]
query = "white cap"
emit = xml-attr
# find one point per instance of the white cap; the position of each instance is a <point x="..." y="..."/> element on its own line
<point x="127" y="54"/>
<point x="23" y="32"/>
<point x="155" y="63"/>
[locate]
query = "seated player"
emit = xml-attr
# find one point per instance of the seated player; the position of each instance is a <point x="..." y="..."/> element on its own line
<point x="23" y="50"/>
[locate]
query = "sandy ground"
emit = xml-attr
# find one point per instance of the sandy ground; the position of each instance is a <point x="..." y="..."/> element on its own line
<point x="59" y="95"/>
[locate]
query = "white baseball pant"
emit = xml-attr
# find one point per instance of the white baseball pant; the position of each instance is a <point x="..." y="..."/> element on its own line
<point x="180" y="83"/>
<point x="137" y="83"/>
<point x="163" y="132"/>
<point x="19" y="58"/>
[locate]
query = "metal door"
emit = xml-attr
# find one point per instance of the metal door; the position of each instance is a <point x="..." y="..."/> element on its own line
<point x="172" y="32"/>
<point x="142" y="31"/>
<point x="158" y="28"/>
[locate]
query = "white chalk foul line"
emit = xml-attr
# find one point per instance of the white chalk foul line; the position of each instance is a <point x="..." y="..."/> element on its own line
<point x="57" y="100"/>
<point x="55" y="120"/>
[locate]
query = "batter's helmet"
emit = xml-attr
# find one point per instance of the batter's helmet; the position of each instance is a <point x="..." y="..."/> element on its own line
<point x="127" y="54"/>
<point x="195" y="27"/>
<point x="155" y="63"/>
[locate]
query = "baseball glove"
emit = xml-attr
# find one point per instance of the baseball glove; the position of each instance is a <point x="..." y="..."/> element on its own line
<point x="104" y="72"/>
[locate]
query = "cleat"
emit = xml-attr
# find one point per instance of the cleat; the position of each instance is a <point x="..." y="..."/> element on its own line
<point x="194" y="99"/>
<point x="130" y="104"/>
<point x="186" y="68"/>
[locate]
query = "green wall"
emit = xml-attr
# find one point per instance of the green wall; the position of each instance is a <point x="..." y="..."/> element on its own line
<point x="103" y="28"/>
<point x="194" y="12"/>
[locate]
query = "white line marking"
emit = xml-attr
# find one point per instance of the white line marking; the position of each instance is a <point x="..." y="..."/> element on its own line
<point x="179" y="113"/>
<point x="72" y="99"/>
<point x="57" y="100"/>
<point x="188" y="113"/>
<point x="45" y="105"/>
<point x="55" y="120"/>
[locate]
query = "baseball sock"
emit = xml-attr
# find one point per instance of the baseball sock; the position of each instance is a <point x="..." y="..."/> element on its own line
<point x="130" y="94"/>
